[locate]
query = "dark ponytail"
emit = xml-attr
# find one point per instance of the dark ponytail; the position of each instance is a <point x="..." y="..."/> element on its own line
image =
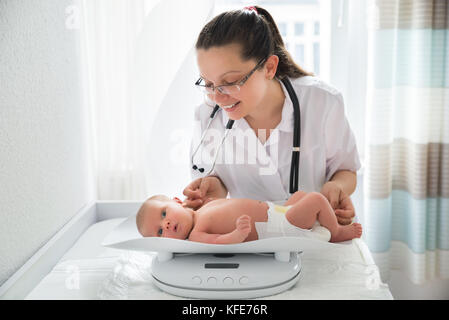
<point x="256" y="33"/>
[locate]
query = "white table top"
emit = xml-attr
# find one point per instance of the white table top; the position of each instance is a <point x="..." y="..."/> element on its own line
<point x="90" y="271"/>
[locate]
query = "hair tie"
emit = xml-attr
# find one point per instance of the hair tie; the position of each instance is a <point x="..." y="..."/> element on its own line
<point x="251" y="8"/>
<point x="177" y="200"/>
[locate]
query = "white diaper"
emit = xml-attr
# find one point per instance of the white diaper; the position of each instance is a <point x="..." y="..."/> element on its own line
<point x="278" y="226"/>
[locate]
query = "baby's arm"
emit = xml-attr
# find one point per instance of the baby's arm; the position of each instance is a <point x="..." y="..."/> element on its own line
<point x="243" y="228"/>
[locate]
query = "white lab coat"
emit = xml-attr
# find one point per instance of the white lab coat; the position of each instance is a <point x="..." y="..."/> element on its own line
<point x="327" y="145"/>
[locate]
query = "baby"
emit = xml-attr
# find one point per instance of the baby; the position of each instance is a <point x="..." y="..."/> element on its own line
<point x="227" y="221"/>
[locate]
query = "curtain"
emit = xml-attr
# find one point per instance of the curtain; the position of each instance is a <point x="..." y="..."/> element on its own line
<point x="407" y="135"/>
<point x="140" y="69"/>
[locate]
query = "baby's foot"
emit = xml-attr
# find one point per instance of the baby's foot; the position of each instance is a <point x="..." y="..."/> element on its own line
<point x="348" y="232"/>
<point x="243" y="225"/>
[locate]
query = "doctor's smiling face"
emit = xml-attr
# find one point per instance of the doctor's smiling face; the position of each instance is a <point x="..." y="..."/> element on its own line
<point x="245" y="46"/>
<point x="160" y="216"/>
<point x="223" y="65"/>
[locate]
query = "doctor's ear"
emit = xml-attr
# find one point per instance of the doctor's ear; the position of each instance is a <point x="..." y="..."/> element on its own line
<point x="271" y="66"/>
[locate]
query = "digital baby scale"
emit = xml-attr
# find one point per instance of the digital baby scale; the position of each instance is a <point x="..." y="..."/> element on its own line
<point x="216" y="271"/>
<point x="226" y="275"/>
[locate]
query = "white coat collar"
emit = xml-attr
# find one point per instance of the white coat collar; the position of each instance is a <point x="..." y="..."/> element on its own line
<point x="287" y="121"/>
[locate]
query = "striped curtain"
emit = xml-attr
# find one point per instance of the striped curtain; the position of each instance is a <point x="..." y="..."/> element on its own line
<point x="406" y="202"/>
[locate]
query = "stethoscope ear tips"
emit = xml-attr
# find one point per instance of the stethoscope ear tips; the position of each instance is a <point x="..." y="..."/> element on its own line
<point x="194" y="167"/>
<point x="201" y="170"/>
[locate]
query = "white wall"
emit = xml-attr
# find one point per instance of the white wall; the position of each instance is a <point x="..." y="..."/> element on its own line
<point x="44" y="168"/>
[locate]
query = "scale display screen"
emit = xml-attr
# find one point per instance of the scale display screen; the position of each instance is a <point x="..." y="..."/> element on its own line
<point x="221" y="265"/>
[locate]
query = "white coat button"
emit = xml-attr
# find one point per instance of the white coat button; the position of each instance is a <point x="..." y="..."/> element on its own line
<point x="211" y="280"/>
<point x="228" y="281"/>
<point x="196" y="280"/>
<point x="244" y="280"/>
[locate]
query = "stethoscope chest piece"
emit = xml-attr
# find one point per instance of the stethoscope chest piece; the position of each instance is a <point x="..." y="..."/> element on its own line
<point x="228" y="128"/>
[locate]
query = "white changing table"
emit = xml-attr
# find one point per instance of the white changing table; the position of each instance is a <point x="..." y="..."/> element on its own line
<point x="81" y="270"/>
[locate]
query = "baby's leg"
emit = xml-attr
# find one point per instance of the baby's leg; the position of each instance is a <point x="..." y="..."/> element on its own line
<point x="298" y="195"/>
<point x="314" y="206"/>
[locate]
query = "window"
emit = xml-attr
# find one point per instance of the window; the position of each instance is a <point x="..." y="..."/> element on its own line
<point x="316" y="29"/>
<point x="316" y="57"/>
<point x="299" y="54"/>
<point x="299" y="29"/>
<point x="282" y="26"/>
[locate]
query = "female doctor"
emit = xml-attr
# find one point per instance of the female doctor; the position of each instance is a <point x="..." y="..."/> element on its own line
<point x="242" y="58"/>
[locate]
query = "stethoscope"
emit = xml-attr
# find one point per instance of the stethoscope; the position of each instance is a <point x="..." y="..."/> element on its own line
<point x="294" y="169"/>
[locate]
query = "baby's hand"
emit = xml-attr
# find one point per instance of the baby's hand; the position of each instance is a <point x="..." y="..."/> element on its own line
<point x="243" y="224"/>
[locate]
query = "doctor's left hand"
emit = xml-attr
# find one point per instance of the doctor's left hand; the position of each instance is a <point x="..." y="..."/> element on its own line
<point x="203" y="190"/>
<point x="340" y="202"/>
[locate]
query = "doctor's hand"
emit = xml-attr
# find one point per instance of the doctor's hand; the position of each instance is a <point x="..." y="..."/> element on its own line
<point x="340" y="202"/>
<point x="203" y="190"/>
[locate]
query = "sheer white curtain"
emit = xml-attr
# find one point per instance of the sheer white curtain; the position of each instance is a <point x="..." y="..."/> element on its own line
<point x="140" y="67"/>
<point x="348" y="59"/>
<point x="348" y="44"/>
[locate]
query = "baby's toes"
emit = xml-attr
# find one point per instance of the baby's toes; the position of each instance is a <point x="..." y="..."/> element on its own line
<point x="358" y="229"/>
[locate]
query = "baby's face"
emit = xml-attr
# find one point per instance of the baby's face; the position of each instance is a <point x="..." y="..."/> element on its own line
<point x="166" y="219"/>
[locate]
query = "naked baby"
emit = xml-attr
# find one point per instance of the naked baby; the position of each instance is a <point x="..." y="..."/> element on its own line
<point x="228" y="221"/>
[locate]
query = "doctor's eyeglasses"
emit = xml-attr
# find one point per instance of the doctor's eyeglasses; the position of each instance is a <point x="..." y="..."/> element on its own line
<point x="226" y="88"/>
